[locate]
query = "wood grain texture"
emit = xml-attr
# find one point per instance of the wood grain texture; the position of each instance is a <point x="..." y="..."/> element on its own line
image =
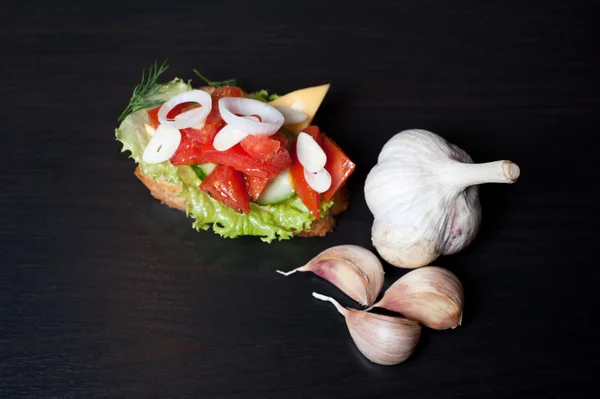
<point x="106" y="293"/>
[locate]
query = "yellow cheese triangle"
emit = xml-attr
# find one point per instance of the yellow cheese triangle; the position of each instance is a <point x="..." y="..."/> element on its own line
<point x="306" y="100"/>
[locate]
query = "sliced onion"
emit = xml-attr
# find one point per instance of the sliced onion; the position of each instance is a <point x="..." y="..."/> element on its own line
<point x="231" y="107"/>
<point x="292" y="115"/>
<point x="230" y="136"/>
<point x="192" y="118"/>
<point x="310" y="153"/>
<point x="163" y="144"/>
<point x="320" y="181"/>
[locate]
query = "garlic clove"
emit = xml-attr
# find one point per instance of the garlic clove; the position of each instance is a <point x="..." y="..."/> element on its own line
<point x="320" y="181"/>
<point x="382" y="339"/>
<point x="424" y="197"/>
<point x="430" y="295"/>
<point x="310" y="154"/>
<point x="355" y="270"/>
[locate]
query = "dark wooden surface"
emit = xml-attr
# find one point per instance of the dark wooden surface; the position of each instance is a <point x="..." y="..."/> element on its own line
<point x="106" y="293"/>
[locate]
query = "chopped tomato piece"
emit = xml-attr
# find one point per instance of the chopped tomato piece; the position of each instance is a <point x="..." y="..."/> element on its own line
<point x="188" y="152"/>
<point x="309" y="197"/>
<point x="207" y="133"/>
<point x="238" y="159"/>
<point x="280" y="161"/>
<point x="242" y="161"/>
<point x="226" y="91"/>
<point x="153" y="116"/>
<point x="227" y="186"/>
<point x="191" y="153"/>
<point x="256" y="185"/>
<point x="339" y="166"/>
<point x="260" y="147"/>
<point x="282" y="139"/>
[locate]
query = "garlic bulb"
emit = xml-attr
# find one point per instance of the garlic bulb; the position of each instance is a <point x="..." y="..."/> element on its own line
<point x="430" y="295"/>
<point x="384" y="340"/>
<point x="353" y="269"/>
<point x="423" y="196"/>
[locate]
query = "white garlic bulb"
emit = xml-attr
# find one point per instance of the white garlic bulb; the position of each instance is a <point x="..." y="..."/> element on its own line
<point x="423" y="196"/>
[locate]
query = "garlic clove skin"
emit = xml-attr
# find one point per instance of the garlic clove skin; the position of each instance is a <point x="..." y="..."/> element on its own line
<point x="355" y="270"/>
<point x="431" y="295"/>
<point x="382" y="339"/>
<point x="424" y="198"/>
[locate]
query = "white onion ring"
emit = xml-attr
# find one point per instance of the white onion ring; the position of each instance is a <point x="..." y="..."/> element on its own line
<point x="192" y="118"/>
<point x="320" y="181"/>
<point x="291" y="115"/>
<point x="271" y="118"/>
<point x="162" y="145"/>
<point x="310" y="154"/>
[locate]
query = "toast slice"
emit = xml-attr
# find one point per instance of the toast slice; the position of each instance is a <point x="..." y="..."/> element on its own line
<point x="167" y="193"/>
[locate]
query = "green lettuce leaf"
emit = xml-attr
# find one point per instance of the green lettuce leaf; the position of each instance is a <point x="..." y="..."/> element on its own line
<point x="271" y="222"/>
<point x="264" y="95"/>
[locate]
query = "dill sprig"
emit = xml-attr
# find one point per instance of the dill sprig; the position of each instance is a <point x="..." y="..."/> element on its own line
<point x="228" y="82"/>
<point x="146" y="88"/>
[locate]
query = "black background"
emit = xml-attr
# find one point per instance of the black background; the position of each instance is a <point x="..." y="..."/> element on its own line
<point x="106" y="293"/>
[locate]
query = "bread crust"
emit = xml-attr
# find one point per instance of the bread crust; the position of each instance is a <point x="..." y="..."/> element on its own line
<point x="167" y="193"/>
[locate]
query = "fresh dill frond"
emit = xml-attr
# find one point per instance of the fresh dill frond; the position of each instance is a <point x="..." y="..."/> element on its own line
<point x="228" y="82"/>
<point x="146" y="88"/>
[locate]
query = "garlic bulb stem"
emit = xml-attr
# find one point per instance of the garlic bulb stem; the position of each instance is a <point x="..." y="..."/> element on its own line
<point x="462" y="175"/>
<point x="337" y="305"/>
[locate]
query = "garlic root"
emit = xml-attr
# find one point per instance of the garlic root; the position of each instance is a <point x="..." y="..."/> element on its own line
<point x="290" y="272"/>
<point x="343" y="311"/>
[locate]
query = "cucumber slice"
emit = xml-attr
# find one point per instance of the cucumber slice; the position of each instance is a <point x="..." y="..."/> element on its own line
<point x="278" y="190"/>
<point x="207" y="167"/>
<point x="203" y="170"/>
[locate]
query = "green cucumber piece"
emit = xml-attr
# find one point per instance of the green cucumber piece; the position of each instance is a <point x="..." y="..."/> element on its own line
<point x="203" y="170"/>
<point x="278" y="190"/>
